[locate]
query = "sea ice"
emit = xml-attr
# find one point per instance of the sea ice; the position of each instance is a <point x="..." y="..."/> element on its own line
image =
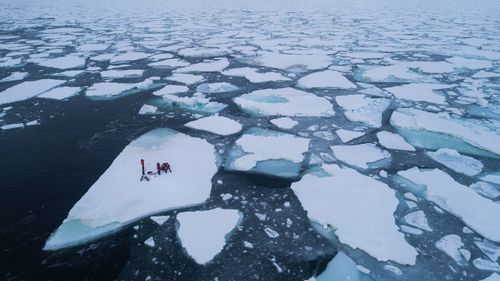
<point x="393" y="141"/>
<point x="347" y="135"/>
<point x="12" y="126"/>
<point x="198" y="103"/>
<point x="359" y="208"/>
<point x="254" y="76"/>
<point x="485" y="189"/>
<point x="341" y="268"/>
<point x="117" y="74"/>
<point x="15" y="76"/>
<point x="171" y="89"/>
<point x="159" y="220"/>
<point x="216" y="65"/>
<point x="359" y="108"/>
<point x="107" y="90"/>
<point x="128" y="57"/>
<point x="148" y="109"/>
<point x="418" y="219"/>
<point x="119" y="198"/>
<point x="60" y="93"/>
<point x="204" y="233"/>
<point x="364" y="156"/>
<point x="489" y="249"/>
<point x="67" y="62"/>
<point x="219" y="125"/>
<point x="169" y="63"/>
<point x="186" y="78"/>
<point x="268" y="152"/>
<point x="474" y="210"/>
<point x="293" y="62"/>
<point x="27" y="90"/>
<point x="219" y="87"/>
<point x="420" y="92"/>
<point x="437" y="130"/>
<point x="284" y="122"/>
<point x="492" y="277"/>
<point x="457" y="162"/>
<point x="284" y="102"/>
<point x="325" y="79"/>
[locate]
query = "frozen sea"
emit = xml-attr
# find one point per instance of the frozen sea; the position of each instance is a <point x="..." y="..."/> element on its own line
<point x="309" y="140"/>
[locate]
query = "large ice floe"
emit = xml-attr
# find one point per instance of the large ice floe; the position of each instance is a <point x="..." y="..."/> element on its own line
<point x="254" y="76"/>
<point x="110" y="90"/>
<point x="325" y="79"/>
<point x="293" y="62"/>
<point x="343" y="268"/>
<point x="441" y="130"/>
<point x="284" y="102"/>
<point x="67" y="62"/>
<point x="219" y="125"/>
<point x="360" y="210"/>
<point x="268" y="152"/>
<point x="95" y="215"/>
<point x="28" y="89"/>
<point x="203" y="234"/>
<point x="364" y="156"/>
<point x="360" y="108"/>
<point x="420" y="92"/>
<point x="474" y="210"/>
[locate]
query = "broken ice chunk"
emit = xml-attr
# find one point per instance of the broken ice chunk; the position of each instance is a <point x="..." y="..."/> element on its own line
<point x="342" y="267"/>
<point x="284" y="122"/>
<point x="221" y="87"/>
<point x="60" y="93"/>
<point x="27" y="90"/>
<point x="418" y="219"/>
<point x="254" y="76"/>
<point x="364" y="156"/>
<point x="347" y="135"/>
<point x="219" y="125"/>
<point x="457" y="162"/>
<point x="359" y="108"/>
<point x="111" y="90"/>
<point x="420" y="92"/>
<point x="393" y="141"/>
<point x="325" y="79"/>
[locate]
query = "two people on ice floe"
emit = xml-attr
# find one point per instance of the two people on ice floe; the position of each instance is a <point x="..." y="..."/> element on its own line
<point x="165" y="167"/>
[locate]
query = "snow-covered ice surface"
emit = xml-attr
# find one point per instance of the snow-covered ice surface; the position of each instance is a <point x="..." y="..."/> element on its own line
<point x="203" y="233"/>
<point x="95" y="215"/>
<point x="388" y="85"/>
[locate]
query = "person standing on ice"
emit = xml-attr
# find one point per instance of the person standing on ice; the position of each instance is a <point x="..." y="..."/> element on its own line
<point x="158" y="168"/>
<point x="142" y="164"/>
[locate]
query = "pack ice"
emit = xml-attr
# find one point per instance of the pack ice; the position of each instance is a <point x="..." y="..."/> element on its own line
<point x="268" y="152"/>
<point x="341" y="268"/>
<point x="359" y="208"/>
<point x="118" y="197"/>
<point x="204" y="233"/>
<point x="27" y="90"/>
<point x="284" y="102"/>
<point x="441" y="130"/>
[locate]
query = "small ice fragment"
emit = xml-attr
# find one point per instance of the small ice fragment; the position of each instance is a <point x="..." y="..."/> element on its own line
<point x="150" y="242"/>
<point x="159" y="219"/>
<point x="346" y="135"/>
<point x="271" y="233"/>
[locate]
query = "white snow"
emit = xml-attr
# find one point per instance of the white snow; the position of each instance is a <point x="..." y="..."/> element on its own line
<point x="284" y="122"/>
<point x="420" y="92"/>
<point x="359" y="108"/>
<point x="348" y="135"/>
<point x="438" y="130"/>
<point x="418" y="219"/>
<point x="219" y="125"/>
<point x="254" y="76"/>
<point x="474" y="210"/>
<point x="485" y="189"/>
<point x="67" y="62"/>
<point x="198" y="103"/>
<point x="325" y="79"/>
<point x="457" y="162"/>
<point x="203" y="233"/>
<point x="361" y="210"/>
<point x="60" y="93"/>
<point x="284" y="102"/>
<point x="118" y="197"/>
<point x="362" y="156"/>
<point x="393" y="141"/>
<point x="27" y="90"/>
<point x="470" y="63"/>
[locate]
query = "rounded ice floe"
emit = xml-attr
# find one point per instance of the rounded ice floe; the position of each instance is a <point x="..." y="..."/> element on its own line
<point x="28" y="89"/>
<point x="360" y="108"/>
<point x="219" y="125"/>
<point x="219" y="87"/>
<point x="364" y="156"/>
<point x="393" y="141"/>
<point x="325" y="79"/>
<point x="420" y="92"/>
<point x="268" y="152"/>
<point x="284" y="102"/>
<point x="203" y="234"/>
<point x="474" y="210"/>
<point x="15" y="76"/>
<point x="119" y="197"/>
<point x="437" y="130"/>
<point x="284" y="122"/>
<point x="359" y="208"/>
<point x="391" y="73"/>
<point x="254" y="76"/>
<point x="457" y="162"/>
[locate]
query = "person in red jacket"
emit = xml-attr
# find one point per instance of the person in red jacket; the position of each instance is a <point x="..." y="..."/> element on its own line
<point x="158" y="168"/>
<point x="142" y="164"/>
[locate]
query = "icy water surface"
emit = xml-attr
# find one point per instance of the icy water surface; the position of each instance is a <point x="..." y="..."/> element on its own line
<point x="383" y="164"/>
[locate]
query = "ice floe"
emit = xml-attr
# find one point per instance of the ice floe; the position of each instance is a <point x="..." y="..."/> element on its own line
<point x="67" y="62"/>
<point x="27" y="90"/>
<point x="15" y="76"/>
<point x="219" y="125"/>
<point x="492" y="277"/>
<point x="420" y="92"/>
<point x="284" y="102"/>
<point x="474" y="210"/>
<point x="128" y="57"/>
<point x="348" y="135"/>
<point x="216" y="65"/>
<point x="342" y="267"/>
<point x="360" y="108"/>
<point x="107" y="90"/>
<point x="204" y="233"/>
<point x="450" y="245"/>
<point x="284" y="122"/>
<point x="485" y="189"/>
<point x="219" y="87"/>
<point x="198" y="103"/>
<point x="61" y="93"/>
<point x="148" y="109"/>
<point x="254" y="76"/>
<point x="393" y="141"/>
<point x="440" y="130"/>
<point x="169" y="63"/>
<point x="457" y="162"/>
<point x="325" y="79"/>
<point x="364" y="156"/>
<point x="293" y="62"/>
<point x="359" y="208"/>
<point x="417" y="219"/>
<point x="118" y="197"/>
<point x="186" y="78"/>
<point x="268" y="152"/>
<point x="117" y="74"/>
<point x="171" y="89"/>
